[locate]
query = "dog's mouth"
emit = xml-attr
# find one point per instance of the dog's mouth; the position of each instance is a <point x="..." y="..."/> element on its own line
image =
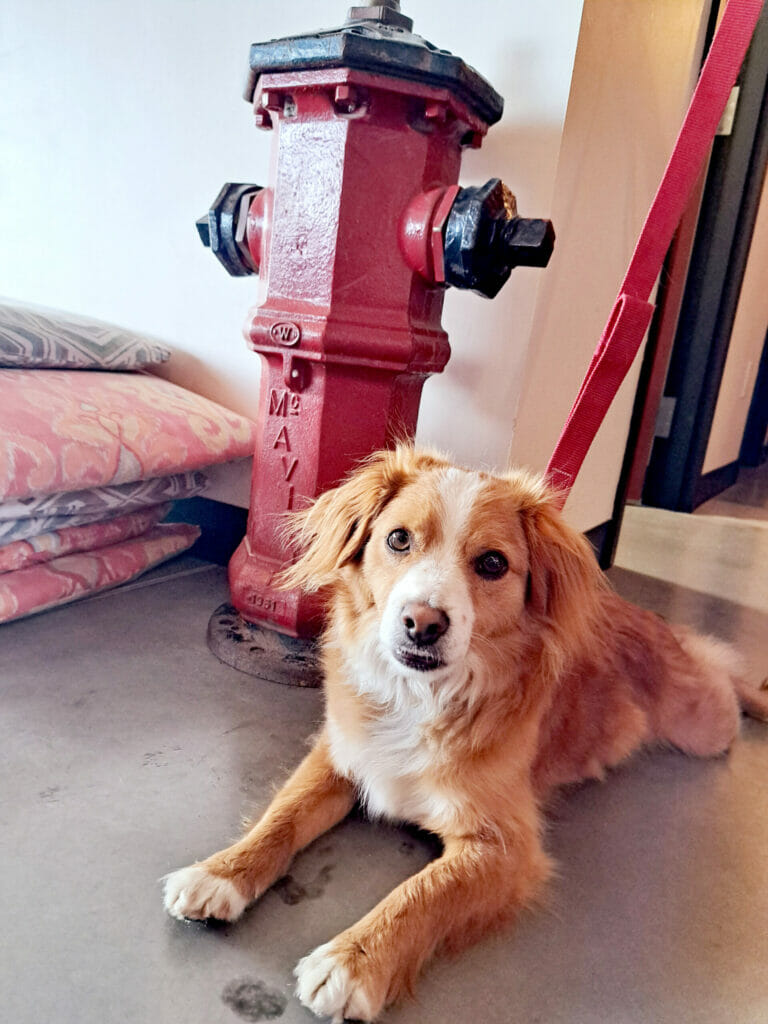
<point x="424" y="660"/>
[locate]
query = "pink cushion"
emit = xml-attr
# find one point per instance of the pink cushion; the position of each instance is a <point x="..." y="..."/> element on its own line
<point x="62" y="430"/>
<point x="73" y="576"/>
<point x="45" y="547"/>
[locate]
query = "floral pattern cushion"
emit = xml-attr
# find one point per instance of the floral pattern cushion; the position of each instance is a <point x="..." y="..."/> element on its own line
<point x="36" y="336"/>
<point x="72" y="539"/>
<point x="64" y="430"/>
<point x="70" y="577"/>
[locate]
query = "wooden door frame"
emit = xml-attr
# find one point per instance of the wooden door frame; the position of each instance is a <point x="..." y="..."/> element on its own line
<point x="674" y="477"/>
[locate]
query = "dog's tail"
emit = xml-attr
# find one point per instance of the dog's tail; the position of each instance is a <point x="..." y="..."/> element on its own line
<point x="713" y="653"/>
<point x="753" y="702"/>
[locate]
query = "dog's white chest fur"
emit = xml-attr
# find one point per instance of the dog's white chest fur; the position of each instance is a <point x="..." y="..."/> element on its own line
<point x="389" y="759"/>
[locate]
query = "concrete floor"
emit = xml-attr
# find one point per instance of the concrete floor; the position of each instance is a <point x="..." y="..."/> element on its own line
<point x="128" y="750"/>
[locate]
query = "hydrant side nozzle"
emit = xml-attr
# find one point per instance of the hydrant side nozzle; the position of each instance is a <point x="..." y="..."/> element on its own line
<point x="484" y="239"/>
<point x="223" y="230"/>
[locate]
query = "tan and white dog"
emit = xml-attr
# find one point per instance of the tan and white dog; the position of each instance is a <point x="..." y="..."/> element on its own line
<point x="475" y="657"/>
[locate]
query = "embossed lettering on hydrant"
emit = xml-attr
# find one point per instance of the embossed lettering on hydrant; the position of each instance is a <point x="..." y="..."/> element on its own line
<point x="282" y="440"/>
<point x="289" y="462"/>
<point x="284" y="332"/>
<point x="284" y="403"/>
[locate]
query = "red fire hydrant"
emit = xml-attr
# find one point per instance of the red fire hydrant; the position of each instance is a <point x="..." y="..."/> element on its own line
<point x="354" y="240"/>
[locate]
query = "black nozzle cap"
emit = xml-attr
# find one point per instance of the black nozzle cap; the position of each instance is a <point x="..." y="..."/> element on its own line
<point x="204" y="231"/>
<point x="218" y="230"/>
<point x="482" y="243"/>
<point x="529" y="242"/>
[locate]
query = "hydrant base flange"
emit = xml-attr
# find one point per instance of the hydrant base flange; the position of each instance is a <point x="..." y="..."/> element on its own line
<point x="262" y="652"/>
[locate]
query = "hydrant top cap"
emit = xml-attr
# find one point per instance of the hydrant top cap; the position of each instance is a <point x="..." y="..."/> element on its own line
<point x="380" y="46"/>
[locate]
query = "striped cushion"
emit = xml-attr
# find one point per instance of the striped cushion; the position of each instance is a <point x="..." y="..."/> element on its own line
<point x="21" y="520"/>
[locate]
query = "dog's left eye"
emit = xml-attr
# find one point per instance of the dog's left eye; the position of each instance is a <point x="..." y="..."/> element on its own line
<point x="491" y="565"/>
<point x="399" y="540"/>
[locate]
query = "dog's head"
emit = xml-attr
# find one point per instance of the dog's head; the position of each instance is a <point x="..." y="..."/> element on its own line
<point x="447" y="564"/>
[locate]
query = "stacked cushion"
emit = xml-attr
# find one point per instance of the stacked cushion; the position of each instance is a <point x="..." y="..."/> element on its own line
<point x="67" y="430"/>
<point x="90" y="459"/>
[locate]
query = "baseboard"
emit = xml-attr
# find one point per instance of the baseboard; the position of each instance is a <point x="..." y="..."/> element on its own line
<point x="713" y="483"/>
<point x="222" y="526"/>
<point x="753" y="460"/>
<point x="600" y="537"/>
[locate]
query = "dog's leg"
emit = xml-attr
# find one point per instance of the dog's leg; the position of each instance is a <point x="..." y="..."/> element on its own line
<point x="477" y="884"/>
<point x="313" y="799"/>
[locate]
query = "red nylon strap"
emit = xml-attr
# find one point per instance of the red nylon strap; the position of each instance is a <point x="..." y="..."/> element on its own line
<point x="631" y="313"/>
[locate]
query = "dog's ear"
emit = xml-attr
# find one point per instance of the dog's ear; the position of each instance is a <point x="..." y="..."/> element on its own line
<point x="565" y="583"/>
<point x="333" y="531"/>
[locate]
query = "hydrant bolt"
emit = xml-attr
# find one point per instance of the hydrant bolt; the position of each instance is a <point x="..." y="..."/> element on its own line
<point x="385" y="12"/>
<point x="528" y="242"/>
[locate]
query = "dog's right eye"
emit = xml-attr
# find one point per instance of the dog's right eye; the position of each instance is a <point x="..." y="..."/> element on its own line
<point x="399" y="540"/>
<point x="491" y="566"/>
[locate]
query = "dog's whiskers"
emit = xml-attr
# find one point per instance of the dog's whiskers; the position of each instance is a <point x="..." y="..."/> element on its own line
<point x="477" y="638"/>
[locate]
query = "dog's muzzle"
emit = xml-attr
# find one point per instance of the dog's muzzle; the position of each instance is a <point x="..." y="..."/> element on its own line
<point x="422" y="628"/>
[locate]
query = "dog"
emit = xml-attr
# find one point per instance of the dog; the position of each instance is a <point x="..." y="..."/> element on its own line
<point x="475" y="658"/>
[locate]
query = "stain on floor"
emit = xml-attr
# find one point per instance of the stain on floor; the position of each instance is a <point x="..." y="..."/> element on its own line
<point x="252" y="1000"/>
<point x="292" y="891"/>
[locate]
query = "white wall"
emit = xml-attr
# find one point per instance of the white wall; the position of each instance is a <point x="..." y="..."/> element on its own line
<point x="119" y="122"/>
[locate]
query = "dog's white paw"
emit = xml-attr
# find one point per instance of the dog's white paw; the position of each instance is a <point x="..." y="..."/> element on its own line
<point x="328" y="987"/>
<point x="195" y="893"/>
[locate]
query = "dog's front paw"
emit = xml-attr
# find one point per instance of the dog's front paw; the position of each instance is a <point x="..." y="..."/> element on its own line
<point x="197" y="894"/>
<point x="335" y="984"/>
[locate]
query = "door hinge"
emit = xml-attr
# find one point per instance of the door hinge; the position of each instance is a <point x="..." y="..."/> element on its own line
<point x="725" y="126"/>
<point x="666" y="412"/>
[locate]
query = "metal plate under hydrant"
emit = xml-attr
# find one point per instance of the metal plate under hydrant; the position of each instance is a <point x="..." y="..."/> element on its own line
<point x="262" y="652"/>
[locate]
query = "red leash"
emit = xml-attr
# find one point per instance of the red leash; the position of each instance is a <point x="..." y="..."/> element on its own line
<point x="631" y="313"/>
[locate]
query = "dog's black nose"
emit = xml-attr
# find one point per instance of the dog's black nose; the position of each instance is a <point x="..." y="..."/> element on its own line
<point x="423" y="623"/>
